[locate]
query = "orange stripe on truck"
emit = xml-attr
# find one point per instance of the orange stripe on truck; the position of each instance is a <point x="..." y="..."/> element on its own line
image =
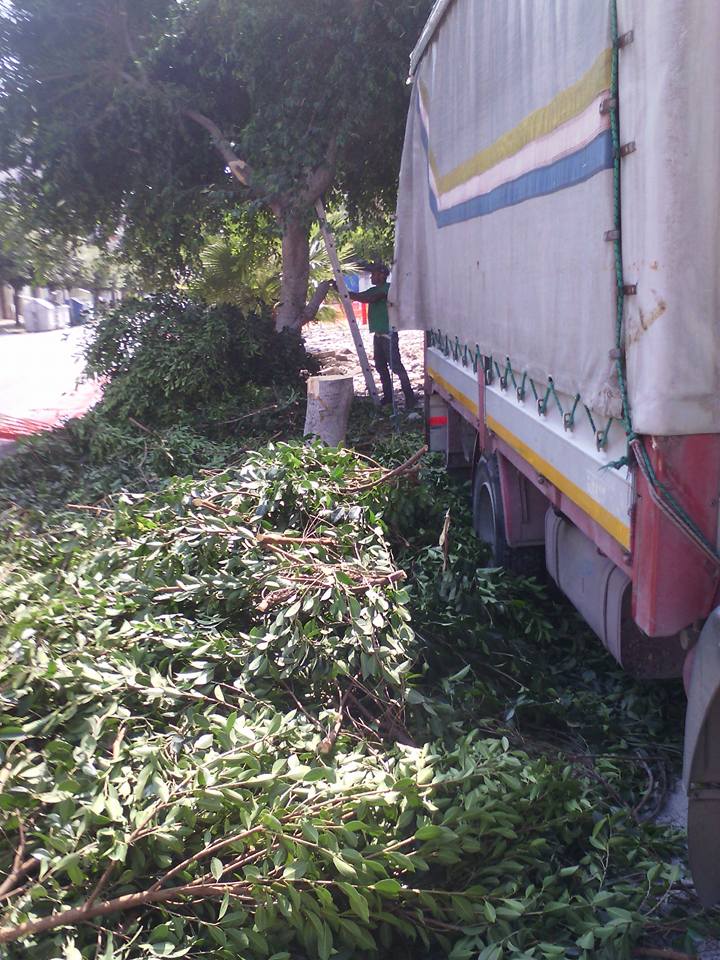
<point x="454" y="392"/>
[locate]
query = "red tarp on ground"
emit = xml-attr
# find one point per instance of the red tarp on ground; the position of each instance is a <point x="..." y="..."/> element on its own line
<point x="74" y="405"/>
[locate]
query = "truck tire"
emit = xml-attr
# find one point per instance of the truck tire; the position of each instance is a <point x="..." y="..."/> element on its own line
<point x="489" y="525"/>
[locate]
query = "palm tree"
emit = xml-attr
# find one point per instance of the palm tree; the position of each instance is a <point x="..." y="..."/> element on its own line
<point x="236" y="270"/>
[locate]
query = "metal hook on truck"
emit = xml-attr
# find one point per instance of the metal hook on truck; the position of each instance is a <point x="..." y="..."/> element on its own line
<point x="558" y="241"/>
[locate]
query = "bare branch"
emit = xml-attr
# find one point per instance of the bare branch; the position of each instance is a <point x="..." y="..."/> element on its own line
<point x="315" y="302"/>
<point x="129" y="45"/>
<point x="131" y="901"/>
<point x="204" y="854"/>
<point x="239" y="169"/>
<point x="13" y="880"/>
<point x="19" y="869"/>
<point x="326" y="745"/>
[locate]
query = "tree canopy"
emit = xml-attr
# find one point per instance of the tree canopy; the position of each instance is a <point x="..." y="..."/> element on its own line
<point x="164" y="114"/>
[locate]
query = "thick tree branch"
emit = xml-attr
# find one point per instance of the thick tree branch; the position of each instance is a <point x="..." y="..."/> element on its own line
<point x="204" y="854"/>
<point x="315" y="302"/>
<point x="129" y="45"/>
<point x="239" y="169"/>
<point x="131" y="901"/>
<point x="11" y="884"/>
<point x="321" y="178"/>
<point x="19" y="869"/>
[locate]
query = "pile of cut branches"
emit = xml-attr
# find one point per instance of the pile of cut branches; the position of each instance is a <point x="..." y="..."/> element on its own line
<point x="219" y="738"/>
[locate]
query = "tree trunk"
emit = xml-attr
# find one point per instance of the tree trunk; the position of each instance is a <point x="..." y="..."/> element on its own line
<point x="16" y="304"/>
<point x="5" y="308"/>
<point x="328" y="408"/>
<point x="295" y="273"/>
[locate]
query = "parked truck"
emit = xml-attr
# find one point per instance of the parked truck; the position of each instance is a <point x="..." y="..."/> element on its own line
<point x="558" y="240"/>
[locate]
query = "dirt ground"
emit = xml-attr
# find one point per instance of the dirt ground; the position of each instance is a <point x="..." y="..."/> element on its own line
<point x="332" y="343"/>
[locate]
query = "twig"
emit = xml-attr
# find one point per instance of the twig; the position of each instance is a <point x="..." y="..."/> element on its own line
<point x="15" y="874"/>
<point x="10" y="885"/>
<point x="198" y="502"/>
<point x="203" y="854"/>
<point x="394" y="729"/>
<point x="300" y="541"/>
<point x="327" y="744"/>
<point x="445" y="542"/>
<point x="141" y="426"/>
<point x="118" y="742"/>
<point x="393" y="474"/>
<point x="80" y="506"/>
<point x="153" y="433"/>
<point x="301" y="708"/>
<point x="648" y="792"/>
<point x="253" y="413"/>
<point x="131" y="901"/>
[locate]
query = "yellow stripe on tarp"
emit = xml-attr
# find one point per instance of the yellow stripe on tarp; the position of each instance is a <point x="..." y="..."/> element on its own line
<point x="616" y="528"/>
<point x="454" y="392"/>
<point x="566" y="105"/>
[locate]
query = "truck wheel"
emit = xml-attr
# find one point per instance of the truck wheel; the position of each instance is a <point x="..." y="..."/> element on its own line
<point x="489" y="524"/>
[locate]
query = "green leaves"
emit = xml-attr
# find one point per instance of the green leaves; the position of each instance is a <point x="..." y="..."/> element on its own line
<point x="388" y="887"/>
<point x="213" y="358"/>
<point x="358" y="903"/>
<point x="168" y="723"/>
<point x="344" y="868"/>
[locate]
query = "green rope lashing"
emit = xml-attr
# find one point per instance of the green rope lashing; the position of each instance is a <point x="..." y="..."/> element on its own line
<point x="601" y="436"/>
<point x="588" y="411"/>
<point x="569" y="418"/>
<point x="507" y="376"/>
<point x="461" y="352"/>
<point x="521" y="388"/>
<point x="617" y="464"/>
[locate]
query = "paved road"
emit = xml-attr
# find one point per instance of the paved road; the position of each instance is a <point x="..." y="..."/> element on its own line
<point x="39" y="371"/>
<point x="39" y="374"/>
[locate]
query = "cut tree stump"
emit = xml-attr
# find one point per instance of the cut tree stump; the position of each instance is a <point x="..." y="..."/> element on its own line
<point x="328" y="408"/>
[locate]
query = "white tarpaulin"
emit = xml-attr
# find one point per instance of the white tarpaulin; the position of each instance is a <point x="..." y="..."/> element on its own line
<point x="506" y="194"/>
<point x="669" y="86"/>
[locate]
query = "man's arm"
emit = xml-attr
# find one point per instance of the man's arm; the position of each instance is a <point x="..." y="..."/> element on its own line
<point x="368" y="296"/>
<point x="374" y="295"/>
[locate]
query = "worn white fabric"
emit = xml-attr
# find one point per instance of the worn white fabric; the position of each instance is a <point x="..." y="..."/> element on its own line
<point x="669" y="89"/>
<point x="518" y="265"/>
<point x="506" y="192"/>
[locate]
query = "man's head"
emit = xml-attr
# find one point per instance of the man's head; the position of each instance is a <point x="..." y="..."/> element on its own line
<point x="378" y="273"/>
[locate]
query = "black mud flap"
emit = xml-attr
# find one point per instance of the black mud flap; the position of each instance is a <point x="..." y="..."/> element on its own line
<point x="701" y="767"/>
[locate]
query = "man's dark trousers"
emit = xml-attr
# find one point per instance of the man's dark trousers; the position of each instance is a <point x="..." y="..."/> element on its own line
<point x="386" y="351"/>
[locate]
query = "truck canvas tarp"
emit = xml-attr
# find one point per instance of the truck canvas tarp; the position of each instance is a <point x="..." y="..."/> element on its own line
<point x="558" y="239"/>
<point x="507" y="192"/>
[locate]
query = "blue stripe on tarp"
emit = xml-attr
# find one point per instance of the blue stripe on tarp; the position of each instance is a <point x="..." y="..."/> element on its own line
<point x="567" y="172"/>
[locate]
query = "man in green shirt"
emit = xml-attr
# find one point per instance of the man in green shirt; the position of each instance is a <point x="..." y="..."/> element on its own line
<point x="386" y="348"/>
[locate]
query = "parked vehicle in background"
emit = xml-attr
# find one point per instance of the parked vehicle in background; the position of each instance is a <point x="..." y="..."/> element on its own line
<point x="558" y="241"/>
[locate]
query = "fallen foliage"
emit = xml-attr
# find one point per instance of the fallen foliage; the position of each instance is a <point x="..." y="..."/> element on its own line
<point x="263" y="713"/>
